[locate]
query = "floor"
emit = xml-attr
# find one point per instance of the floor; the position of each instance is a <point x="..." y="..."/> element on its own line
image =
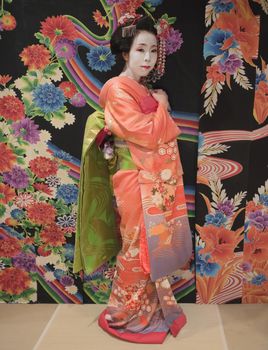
<point x="74" y="327"/>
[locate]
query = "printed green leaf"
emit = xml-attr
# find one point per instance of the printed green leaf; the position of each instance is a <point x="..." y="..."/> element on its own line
<point x="50" y="70"/>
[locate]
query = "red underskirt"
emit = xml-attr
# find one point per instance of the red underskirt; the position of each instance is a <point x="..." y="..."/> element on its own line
<point x="148" y="338"/>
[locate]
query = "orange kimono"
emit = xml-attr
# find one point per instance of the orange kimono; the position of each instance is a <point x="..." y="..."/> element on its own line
<point x="156" y="238"/>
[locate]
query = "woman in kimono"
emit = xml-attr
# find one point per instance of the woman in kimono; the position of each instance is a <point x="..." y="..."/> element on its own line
<point x="148" y="187"/>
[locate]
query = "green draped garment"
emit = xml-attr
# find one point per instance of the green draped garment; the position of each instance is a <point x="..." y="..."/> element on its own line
<point x="96" y="236"/>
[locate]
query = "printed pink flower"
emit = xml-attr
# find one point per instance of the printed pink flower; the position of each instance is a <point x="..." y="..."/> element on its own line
<point x="11" y="108"/>
<point x="41" y="213"/>
<point x="14" y="280"/>
<point x="9" y="247"/>
<point x="53" y="235"/>
<point x="43" y="166"/>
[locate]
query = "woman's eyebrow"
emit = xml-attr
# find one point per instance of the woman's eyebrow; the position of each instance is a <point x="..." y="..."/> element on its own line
<point x="143" y="44"/>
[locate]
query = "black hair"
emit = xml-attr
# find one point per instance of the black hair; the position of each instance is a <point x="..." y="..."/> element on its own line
<point x="119" y="44"/>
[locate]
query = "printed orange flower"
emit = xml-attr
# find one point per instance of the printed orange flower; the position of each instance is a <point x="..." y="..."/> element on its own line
<point x="68" y="88"/>
<point x="7" y="158"/>
<point x="245" y="30"/>
<point x="214" y="74"/>
<point x="220" y="242"/>
<point x="35" y="56"/>
<point x="43" y="166"/>
<point x="9" y="247"/>
<point x="260" y="111"/>
<point x="14" y="280"/>
<point x="4" y="79"/>
<point x="41" y="213"/>
<point x="11" y="108"/>
<point x="43" y="188"/>
<point x="256" y="247"/>
<point x="53" y="235"/>
<point x="6" y="193"/>
<point x="8" y="22"/>
<point x="58" y="27"/>
<point x="100" y="19"/>
<point x="129" y="6"/>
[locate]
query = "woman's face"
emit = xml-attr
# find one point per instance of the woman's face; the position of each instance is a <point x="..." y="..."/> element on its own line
<point x="141" y="58"/>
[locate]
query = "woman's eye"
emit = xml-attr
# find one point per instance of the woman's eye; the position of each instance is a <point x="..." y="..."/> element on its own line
<point x="140" y="50"/>
<point x="154" y="50"/>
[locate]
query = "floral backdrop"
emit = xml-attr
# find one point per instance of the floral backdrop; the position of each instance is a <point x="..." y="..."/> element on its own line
<point x="50" y="81"/>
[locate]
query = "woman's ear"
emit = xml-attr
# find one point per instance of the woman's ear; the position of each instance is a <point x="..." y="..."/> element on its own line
<point x="125" y="56"/>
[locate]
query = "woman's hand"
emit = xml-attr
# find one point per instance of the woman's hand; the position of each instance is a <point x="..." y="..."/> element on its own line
<point x="161" y="97"/>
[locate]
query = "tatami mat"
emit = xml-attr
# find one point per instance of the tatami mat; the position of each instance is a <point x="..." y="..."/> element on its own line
<point x="21" y="325"/>
<point x="74" y="327"/>
<point x="245" y="326"/>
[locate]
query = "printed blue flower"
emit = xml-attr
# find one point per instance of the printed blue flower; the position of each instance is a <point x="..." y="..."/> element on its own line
<point x="217" y="220"/>
<point x="48" y="97"/>
<point x="68" y="193"/>
<point x="63" y="155"/>
<point x="58" y="273"/>
<point x="214" y="42"/>
<point x="264" y="199"/>
<point x="222" y="6"/>
<point x="260" y="77"/>
<point x="17" y="214"/>
<point x="203" y="267"/>
<point x="201" y="140"/>
<point x="259" y="279"/>
<point x="100" y="58"/>
<point x="69" y="251"/>
<point x="155" y="3"/>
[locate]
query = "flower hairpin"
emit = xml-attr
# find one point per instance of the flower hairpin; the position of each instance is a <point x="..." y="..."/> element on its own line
<point x="128" y="22"/>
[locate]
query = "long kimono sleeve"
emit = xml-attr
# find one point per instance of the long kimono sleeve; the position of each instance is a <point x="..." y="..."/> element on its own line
<point x="125" y="119"/>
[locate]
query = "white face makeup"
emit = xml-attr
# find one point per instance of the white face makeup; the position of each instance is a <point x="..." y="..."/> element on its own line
<point x="142" y="56"/>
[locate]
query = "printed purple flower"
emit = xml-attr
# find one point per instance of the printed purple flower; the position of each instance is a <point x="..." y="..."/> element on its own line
<point x="16" y="177"/>
<point x="66" y="280"/>
<point x="112" y="2"/>
<point x="173" y="41"/>
<point x="226" y="207"/>
<point x="65" y="48"/>
<point x="258" y="219"/>
<point x="25" y="261"/>
<point x="108" y="151"/>
<point x="78" y="100"/>
<point x="246" y="266"/>
<point x="230" y="64"/>
<point x="27" y="129"/>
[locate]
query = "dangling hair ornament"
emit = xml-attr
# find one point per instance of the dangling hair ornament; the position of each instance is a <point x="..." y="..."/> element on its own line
<point x="159" y="69"/>
<point x="128" y="22"/>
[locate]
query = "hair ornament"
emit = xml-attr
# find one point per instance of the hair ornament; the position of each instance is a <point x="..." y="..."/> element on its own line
<point x="128" y="22"/>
